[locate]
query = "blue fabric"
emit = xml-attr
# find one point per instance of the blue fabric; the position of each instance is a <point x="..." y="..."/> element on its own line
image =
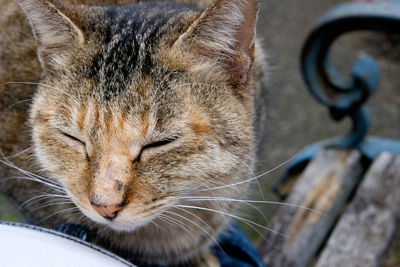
<point x="81" y="232"/>
<point x="237" y="250"/>
<point x="234" y="249"/>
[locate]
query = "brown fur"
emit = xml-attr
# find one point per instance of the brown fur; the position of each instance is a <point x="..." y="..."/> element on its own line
<point x="93" y="135"/>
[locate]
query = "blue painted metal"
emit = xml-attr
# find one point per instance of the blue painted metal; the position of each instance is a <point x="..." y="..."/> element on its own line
<point x="346" y="97"/>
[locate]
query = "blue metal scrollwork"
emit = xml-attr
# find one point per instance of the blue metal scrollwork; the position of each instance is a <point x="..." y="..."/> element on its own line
<point x="346" y="97"/>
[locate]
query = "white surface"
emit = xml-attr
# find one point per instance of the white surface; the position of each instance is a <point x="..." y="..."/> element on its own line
<point x="20" y="247"/>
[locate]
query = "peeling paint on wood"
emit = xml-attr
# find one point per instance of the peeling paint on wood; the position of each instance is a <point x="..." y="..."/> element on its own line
<point x="324" y="186"/>
<point x="321" y="199"/>
<point x="369" y="222"/>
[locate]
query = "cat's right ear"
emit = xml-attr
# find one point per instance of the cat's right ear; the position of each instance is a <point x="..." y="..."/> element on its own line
<point x="54" y="27"/>
<point x="221" y="41"/>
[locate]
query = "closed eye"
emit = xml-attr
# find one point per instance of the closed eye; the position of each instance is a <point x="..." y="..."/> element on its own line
<point x="159" y="143"/>
<point x="156" y="144"/>
<point x="73" y="138"/>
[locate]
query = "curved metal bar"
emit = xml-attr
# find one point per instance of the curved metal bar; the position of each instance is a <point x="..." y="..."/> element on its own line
<point x="342" y="95"/>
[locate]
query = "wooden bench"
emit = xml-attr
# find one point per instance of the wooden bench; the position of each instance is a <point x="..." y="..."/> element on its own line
<point x="349" y="215"/>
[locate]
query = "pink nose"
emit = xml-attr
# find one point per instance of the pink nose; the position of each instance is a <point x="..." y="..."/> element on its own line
<point x="109" y="212"/>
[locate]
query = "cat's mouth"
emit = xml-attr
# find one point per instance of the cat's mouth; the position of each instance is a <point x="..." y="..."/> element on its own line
<point x="132" y="216"/>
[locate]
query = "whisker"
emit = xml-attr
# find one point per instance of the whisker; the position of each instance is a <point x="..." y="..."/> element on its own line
<point x="177" y="223"/>
<point x="39" y="197"/>
<point x="231" y="215"/>
<point x="44" y="85"/>
<point x="197" y="225"/>
<point x="227" y="199"/>
<point x="51" y="204"/>
<point x="19" y="153"/>
<point x="251" y="171"/>
<point x="53" y="187"/>
<point x="204" y="183"/>
<point x="197" y="217"/>
<point x="19" y="102"/>
<point x="35" y="177"/>
<point x="58" y="212"/>
<point x="7" y="162"/>
<point x="159" y="226"/>
<point x="250" y="179"/>
<point x="260" y="234"/>
<point x="200" y="198"/>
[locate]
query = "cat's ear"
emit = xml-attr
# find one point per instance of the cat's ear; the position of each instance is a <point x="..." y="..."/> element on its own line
<point x="54" y="28"/>
<point x="225" y="34"/>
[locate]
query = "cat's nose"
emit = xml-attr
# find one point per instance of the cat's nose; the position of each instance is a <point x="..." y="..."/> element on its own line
<point x="109" y="212"/>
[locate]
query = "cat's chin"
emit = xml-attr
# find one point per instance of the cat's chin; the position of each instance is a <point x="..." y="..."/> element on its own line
<point x="130" y="227"/>
<point x="119" y="225"/>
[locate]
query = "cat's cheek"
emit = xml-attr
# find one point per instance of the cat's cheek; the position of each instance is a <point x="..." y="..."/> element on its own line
<point x="76" y="147"/>
<point x="45" y="159"/>
<point x="58" y="157"/>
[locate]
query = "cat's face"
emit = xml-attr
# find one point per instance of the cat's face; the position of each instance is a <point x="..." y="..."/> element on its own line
<point x="139" y="151"/>
<point x="133" y="120"/>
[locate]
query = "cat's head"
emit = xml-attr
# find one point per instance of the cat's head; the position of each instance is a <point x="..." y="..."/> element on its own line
<point x="144" y="106"/>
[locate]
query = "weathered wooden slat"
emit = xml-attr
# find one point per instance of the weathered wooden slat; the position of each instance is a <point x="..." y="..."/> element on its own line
<point x="366" y="228"/>
<point x="325" y="185"/>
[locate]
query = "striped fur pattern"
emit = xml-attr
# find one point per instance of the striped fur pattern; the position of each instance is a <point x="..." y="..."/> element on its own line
<point x="142" y="106"/>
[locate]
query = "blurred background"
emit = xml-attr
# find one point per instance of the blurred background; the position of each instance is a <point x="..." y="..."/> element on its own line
<point x="295" y="119"/>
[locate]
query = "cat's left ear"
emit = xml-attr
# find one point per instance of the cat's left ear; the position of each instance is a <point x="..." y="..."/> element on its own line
<point x="224" y="36"/>
<point x="54" y="27"/>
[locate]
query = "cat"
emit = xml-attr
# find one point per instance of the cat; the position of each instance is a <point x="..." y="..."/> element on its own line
<point x="128" y="117"/>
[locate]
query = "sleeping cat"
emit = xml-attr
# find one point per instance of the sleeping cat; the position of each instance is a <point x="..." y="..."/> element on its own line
<point x="128" y="117"/>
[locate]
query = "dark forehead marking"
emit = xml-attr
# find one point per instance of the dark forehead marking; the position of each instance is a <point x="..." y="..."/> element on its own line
<point x="129" y="36"/>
